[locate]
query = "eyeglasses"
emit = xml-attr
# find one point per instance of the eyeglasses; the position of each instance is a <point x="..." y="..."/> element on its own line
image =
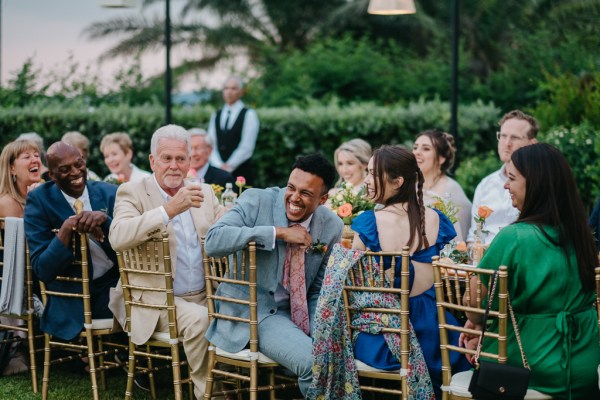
<point x="511" y="138"/>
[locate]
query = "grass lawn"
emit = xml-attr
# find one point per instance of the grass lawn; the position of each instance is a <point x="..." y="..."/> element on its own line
<point x="66" y="384"/>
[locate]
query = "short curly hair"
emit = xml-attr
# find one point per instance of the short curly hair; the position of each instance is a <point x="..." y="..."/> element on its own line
<point x="318" y="165"/>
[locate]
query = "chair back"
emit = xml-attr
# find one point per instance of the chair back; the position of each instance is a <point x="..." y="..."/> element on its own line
<point x="78" y="276"/>
<point x="457" y="288"/>
<point x="146" y="268"/>
<point x="367" y="278"/>
<point x="239" y="269"/>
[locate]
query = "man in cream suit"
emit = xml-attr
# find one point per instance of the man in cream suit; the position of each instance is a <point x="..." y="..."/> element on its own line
<point x="145" y="209"/>
<point x="279" y="219"/>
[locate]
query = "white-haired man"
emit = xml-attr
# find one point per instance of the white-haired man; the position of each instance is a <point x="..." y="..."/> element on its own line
<point x="202" y="147"/>
<point x="161" y="202"/>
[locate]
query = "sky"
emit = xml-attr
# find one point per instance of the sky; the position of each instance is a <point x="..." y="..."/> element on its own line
<point x="49" y="31"/>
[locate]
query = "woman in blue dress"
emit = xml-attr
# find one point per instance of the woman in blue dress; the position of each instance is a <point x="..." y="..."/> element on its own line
<point x="395" y="181"/>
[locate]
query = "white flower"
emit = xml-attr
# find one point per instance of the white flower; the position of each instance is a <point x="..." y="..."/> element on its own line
<point x="588" y="141"/>
<point x="339" y="197"/>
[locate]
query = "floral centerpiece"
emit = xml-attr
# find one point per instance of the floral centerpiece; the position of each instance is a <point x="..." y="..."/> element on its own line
<point x="446" y="207"/>
<point x="347" y="204"/>
<point x="119" y="179"/>
<point x="478" y="246"/>
<point x="240" y="182"/>
<point x="456" y="252"/>
<point x="218" y="189"/>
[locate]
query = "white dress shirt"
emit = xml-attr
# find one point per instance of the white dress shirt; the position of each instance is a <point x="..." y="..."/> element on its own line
<point x="190" y="270"/>
<point x="249" y="134"/>
<point x="101" y="263"/>
<point x="490" y="192"/>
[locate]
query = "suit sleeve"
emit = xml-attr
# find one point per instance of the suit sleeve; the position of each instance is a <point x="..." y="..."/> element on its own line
<point x="49" y="256"/>
<point x="237" y="227"/>
<point x="131" y="225"/>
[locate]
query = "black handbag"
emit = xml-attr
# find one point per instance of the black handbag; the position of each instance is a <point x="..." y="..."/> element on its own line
<point x="493" y="381"/>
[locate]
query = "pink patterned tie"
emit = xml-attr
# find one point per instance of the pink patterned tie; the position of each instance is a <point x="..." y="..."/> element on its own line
<point x="294" y="280"/>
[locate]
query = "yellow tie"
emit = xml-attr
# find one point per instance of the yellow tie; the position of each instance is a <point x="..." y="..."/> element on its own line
<point x="78" y="205"/>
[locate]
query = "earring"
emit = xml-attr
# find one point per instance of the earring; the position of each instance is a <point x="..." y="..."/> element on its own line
<point x="14" y="177"/>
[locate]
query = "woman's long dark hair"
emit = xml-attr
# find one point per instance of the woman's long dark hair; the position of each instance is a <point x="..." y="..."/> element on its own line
<point x="389" y="163"/>
<point x="552" y="199"/>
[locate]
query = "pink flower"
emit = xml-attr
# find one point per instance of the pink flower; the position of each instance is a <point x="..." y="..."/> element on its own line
<point x="240" y="181"/>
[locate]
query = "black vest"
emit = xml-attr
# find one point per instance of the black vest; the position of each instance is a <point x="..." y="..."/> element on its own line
<point x="228" y="140"/>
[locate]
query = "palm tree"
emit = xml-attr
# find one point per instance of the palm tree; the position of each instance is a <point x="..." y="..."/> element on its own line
<point x="216" y="30"/>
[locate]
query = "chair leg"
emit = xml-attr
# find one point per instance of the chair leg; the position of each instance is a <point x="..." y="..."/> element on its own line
<point x="32" y="363"/>
<point x="92" y="362"/>
<point x="101" y="362"/>
<point x="272" y="383"/>
<point x="46" y="375"/>
<point x="210" y="376"/>
<point x="253" y="380"/>
<point x="130" y="371"/>
<point x="151" y="375"/>
<point x="175" y="364"/>
<point x="190" y="383"/>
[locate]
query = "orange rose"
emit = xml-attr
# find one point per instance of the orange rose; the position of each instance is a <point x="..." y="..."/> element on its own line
<point x="484" y="211"/>
<point x="461" y="246"/>
<point x="345" y="210"/>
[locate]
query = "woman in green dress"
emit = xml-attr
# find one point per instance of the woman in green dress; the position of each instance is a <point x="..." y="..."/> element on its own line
<point x="551" y="256"/>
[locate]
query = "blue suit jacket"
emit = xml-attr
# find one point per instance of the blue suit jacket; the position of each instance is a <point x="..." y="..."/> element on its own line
<point x="253" y="219"/>
<point x="45" y="210"/>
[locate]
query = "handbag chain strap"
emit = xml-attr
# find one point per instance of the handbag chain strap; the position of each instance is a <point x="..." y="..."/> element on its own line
<point x="512" y="317"/>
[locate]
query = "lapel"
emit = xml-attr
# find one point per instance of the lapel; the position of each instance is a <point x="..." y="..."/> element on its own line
<point x="156" y="200"/>
<point x="61" y="205"/>
<point x="280" y="220"/>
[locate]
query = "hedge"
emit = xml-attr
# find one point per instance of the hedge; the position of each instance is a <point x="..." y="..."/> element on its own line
<point x="285" y="132"/>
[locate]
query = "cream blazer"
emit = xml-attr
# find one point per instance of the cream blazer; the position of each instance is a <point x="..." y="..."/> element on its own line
<point x="136" y="218"/>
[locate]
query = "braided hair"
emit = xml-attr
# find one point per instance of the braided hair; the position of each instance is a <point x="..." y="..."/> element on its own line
<point x="389" y="163"/>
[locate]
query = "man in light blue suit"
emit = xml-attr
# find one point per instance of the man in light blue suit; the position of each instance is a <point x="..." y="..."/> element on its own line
<point x="50" y="221"/>
<point x="265" y="216"/>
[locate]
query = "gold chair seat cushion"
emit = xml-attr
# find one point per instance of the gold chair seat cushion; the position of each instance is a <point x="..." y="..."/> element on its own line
<point x="163" y="337"/>
<point x="102" y="323"/>
<point x="361" y="366"/>
<point x="244" y="355"/>
<point x="459" y="386"/>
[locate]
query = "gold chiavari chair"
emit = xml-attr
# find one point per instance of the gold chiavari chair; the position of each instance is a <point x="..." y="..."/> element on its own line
<point x="454" y="293"/>
<point x="90" y="342"/>
<point x="238" y="269"/>
<point x="27" y="316"/>
<point x="147" y="268"/>
<point x="366" y="278"/>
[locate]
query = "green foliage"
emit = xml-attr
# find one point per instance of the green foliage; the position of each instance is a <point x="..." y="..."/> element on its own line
<point x="581" y="147"/>
<point x="285" y="132"/>
<point x="571" y="100"/>
<point x="473" y="169"/>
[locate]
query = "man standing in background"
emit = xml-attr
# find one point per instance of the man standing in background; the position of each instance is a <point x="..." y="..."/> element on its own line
<point x="234" y="129"/>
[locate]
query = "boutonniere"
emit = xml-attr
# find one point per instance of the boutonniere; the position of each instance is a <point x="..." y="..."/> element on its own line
<point x="317" y="247"/>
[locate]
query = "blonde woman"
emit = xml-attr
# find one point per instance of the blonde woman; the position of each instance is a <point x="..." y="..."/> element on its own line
<point x="117" y="150"/>
<point x="350" y="160"/>
<point x="20" y="171"/>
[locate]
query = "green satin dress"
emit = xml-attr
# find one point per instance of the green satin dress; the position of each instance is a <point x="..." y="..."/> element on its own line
<point x="557" y="319"/>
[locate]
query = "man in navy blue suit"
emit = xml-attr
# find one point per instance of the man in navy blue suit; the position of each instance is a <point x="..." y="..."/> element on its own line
<point x="50" y="221"/>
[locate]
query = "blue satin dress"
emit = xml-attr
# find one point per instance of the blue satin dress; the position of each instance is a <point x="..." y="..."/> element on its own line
<point x="372" y="349"/>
